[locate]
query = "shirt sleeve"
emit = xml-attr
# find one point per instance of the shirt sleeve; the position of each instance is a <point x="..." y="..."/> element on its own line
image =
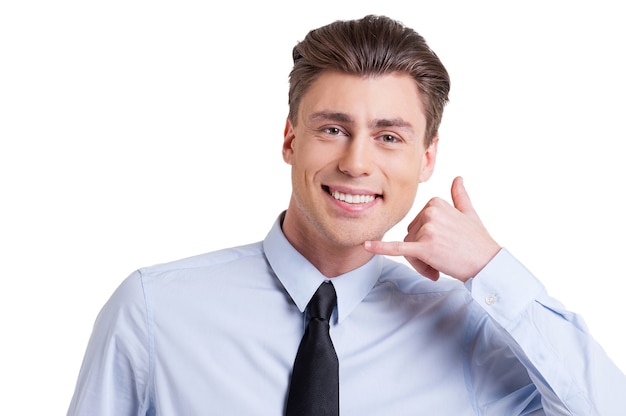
<point x="113" y="379"/>
<point x="568" y="368"/>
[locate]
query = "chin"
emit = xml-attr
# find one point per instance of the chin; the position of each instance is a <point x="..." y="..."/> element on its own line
<point x="349" y="238"/>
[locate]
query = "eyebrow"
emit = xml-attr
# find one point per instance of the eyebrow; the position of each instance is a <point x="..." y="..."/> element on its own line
<point x="345" y="118"/>
<point x="331" y="116"/>
<point x="391" y="122"/>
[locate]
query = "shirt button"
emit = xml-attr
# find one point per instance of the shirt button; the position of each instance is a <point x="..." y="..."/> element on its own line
<point x="490" y="299"/>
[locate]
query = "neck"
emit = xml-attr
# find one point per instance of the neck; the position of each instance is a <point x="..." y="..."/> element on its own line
<point x="330" y="258"/>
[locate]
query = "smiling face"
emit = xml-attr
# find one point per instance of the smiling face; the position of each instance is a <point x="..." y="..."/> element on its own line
<point x="357" y="156"/>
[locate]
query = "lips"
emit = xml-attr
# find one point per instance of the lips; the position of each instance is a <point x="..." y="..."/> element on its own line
<point x="351" y="198"/>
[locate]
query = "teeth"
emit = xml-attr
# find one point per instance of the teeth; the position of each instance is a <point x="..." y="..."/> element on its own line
<point x="353" y="199"/>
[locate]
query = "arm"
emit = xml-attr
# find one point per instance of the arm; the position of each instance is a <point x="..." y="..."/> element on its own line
<point x="113" y="380"/>
<point x="568" y="368"/>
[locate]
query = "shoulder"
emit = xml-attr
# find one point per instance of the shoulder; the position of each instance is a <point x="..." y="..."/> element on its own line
<point x="176" y="278"/>
<point x="215" y="259"/>
<point x="406" y="280"/>
<point x="413" y="292"/>
<point x="132" y="290"/>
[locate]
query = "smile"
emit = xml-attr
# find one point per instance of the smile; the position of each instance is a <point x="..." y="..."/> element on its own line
<point x="351" y="198"/>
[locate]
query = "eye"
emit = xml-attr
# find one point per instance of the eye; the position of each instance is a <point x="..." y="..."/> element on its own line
<point x="389" y="138"/>
<point x="334" y="131"/>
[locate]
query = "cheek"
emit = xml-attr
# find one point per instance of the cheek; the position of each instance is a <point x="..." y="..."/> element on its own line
<point x="304" y="164"/>
<point x="405" y="172"/>
<point x="404" y="183"/>
<point x="313" y="157"/>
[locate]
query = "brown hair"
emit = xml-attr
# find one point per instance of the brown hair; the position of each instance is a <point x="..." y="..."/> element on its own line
<point x="373" y="45"/>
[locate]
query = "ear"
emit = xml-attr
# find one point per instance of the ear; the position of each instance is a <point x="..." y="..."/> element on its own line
<point x="428" y="160"/>
<point x="290" y="136"/>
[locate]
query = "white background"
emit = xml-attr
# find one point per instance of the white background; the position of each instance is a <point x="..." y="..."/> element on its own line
<point x="135" y="133"/>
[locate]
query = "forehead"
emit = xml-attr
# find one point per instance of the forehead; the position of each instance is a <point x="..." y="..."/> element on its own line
<point x="364" y="98"/>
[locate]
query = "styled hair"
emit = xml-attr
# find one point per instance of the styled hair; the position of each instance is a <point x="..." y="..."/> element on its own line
<point x="371" y="46"/>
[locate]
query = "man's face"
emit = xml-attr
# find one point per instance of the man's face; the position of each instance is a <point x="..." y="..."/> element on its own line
<point x="357" y="155"/>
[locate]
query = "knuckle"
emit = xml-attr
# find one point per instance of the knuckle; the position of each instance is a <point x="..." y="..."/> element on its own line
<point x="436" y="202"/>
<point x="428" y="230"/>
<point x="397" y="247"/>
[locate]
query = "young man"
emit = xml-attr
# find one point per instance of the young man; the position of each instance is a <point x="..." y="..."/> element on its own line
<point x="219" y="333"/>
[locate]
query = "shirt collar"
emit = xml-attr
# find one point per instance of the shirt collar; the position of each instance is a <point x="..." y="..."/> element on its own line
<point x="301" y="279"/>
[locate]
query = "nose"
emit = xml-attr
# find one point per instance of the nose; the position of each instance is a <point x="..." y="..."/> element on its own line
<point x="357" y="158"/>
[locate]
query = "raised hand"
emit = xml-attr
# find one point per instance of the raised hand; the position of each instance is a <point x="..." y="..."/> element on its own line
<point x="444" y="238"/>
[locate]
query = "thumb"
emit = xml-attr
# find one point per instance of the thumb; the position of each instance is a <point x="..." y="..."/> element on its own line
<point x="461" y="199"/>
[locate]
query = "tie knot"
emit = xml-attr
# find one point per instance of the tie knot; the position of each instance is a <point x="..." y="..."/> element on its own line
<point x="323" y="301"/>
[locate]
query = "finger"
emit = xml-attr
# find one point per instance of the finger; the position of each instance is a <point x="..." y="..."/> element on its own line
<point x="424" y="269"/>
<point x="390" y="248"/>
<point x="397" y="248"/>
<point x="417" y="222"/>
<point x="425" y="215"/>
<point x="408" y="250"/>
<point x="461" y="199"/>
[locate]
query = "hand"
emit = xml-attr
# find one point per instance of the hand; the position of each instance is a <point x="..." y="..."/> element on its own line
<point x="444" y="238"/>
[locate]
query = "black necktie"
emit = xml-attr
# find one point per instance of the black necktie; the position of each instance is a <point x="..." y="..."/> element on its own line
<point x="314" y="389"/>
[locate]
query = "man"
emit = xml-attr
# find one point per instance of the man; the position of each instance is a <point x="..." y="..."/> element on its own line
<point x="219" y="333"/>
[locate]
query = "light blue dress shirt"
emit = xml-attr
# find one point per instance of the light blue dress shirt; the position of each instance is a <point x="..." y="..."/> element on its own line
<point x="217" y="334"/>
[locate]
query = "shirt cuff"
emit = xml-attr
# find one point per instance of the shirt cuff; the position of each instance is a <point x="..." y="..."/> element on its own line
<point x="504" y="288"/>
